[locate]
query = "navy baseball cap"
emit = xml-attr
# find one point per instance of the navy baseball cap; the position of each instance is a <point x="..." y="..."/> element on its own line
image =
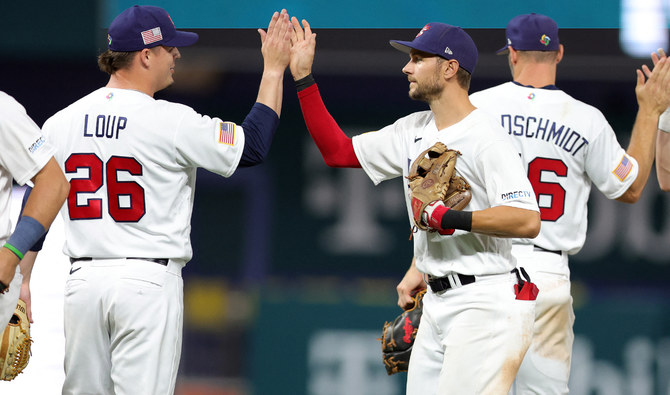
<point x="531" y="32"/>
<point x="446" y="41"/>
<point x="144" y="26"/>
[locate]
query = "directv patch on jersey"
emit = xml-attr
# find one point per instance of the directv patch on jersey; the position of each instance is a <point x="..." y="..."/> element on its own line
<point x="516" y="195"/>
<point x="226" y="133"/>
<point x="36" y="145"/>
<point x="624" y="168"/>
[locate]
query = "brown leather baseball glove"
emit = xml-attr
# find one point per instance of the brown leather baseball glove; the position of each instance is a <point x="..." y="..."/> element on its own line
<point x="15" y="344"/>
<point x="433" y="177"/>
<point x="398" y="336"/>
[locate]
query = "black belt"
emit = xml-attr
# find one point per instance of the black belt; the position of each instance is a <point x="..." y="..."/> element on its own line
<point x="439" y="284"/>
<point x="538" y="248"/>
<point x="160" y="261"/>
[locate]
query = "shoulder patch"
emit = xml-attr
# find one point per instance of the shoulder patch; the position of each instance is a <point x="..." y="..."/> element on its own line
<point x="226" y="133"/>
<point x="624" y="168"/>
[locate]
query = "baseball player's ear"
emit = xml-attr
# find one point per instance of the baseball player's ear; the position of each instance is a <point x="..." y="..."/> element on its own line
<point x="144" y="55"/>
<point x="452" y="68"/>
<point x="559" y="55"/>
<point x="513" y="55"/>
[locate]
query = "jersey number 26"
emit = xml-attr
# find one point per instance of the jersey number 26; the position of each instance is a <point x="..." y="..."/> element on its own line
<point x="128" y="192"/>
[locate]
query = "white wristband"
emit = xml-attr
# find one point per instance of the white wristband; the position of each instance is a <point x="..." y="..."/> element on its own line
<point x="664" y="121"/>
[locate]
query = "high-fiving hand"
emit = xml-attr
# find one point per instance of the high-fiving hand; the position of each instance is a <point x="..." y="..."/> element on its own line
<point x="655" y="91"/>
<point x="276" y="42"/>
<point x="303" y="44"/>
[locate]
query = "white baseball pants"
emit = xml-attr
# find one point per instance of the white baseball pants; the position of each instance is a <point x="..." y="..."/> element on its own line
<point x="471" y="339"/>
<point x="546" y="367"/>
<point x="123" y="327"/>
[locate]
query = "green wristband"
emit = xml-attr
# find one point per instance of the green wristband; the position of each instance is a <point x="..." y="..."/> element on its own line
<point x="14" y="250"/>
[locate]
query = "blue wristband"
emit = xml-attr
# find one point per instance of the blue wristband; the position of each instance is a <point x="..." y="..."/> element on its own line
<point x="28" y="231"/>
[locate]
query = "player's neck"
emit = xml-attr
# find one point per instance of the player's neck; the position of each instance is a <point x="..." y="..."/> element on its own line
<point x="451" y="108"/>
<point x="537" y="75"/>
<point x="122" y="80"/>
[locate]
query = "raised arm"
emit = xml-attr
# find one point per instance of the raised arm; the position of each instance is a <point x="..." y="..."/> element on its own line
<point x="275" y="49"/>
<point x="663" y="158"/>
<point x="262" y="121"/>
<point x="653" y="97"/>
<point x="663" y="139"/>
<point x="336" y="147"/>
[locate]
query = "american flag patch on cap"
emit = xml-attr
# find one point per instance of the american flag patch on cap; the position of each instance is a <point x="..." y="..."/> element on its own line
<point x="227" y="133"/>
<point x="152" y="35"/>
<point x="624" y="168"/>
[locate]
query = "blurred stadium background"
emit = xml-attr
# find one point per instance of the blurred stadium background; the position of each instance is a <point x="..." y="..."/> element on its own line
<point x="295" y="264"/>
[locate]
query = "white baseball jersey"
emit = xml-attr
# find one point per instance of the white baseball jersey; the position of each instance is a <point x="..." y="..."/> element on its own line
<point x="131" y="161"/>
<point x="565" y="145"/>
<point x="24" y="154"/>
<point x="488" y="161"/>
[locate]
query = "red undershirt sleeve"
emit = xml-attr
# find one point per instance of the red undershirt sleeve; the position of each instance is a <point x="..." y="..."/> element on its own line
<point x="336" y="147"/>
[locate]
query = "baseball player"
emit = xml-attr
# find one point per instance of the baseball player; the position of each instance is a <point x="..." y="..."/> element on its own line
<point x="474" y="331"/>
<point x="565" y="145"/>
<point x="27" y="158"/>
<point x="131" y="161"/>
<point x="663" y="138"/>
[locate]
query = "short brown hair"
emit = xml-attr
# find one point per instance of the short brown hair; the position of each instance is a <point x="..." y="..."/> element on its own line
<point x="463" y="78"/>
<point x="538" y="56"/>
<point x="112" y="61"/>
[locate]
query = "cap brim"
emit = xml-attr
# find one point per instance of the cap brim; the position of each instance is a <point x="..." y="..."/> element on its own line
<point x="182" y="39"/>
<point x="503" y="51"/>
<point x="402" y="46"/>
<point x="407" y="46"/>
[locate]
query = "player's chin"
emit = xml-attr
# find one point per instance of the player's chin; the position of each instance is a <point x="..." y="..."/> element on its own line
<point x="167" y="83"/>
<point x="412" y="89"/>
<point x="414" y="94"/>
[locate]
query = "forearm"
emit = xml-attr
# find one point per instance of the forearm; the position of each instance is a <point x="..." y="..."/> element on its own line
<point x="413" y="278"/>
<point x="335" y="146"/>
<point x="501" y="221"/>
<point x="259" y="127"/>
<point x="48" y="195"/>
<point x="505" y="221"/>
<point x="27" y="264"/>
<point x="412" y="281"/>
<point x="45" y="200"/>
<point x="271" y="89"/>
<point x="663" y="160"/>
<point x="641" y="147"/>
<point x="39" y="243"/>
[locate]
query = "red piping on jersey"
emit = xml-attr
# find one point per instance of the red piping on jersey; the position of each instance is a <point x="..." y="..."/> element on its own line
<point x="336" y="147"/>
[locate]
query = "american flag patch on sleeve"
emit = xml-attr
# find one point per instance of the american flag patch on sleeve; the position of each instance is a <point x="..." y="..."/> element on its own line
<point x="152" y="35"/>
<point x="624" y="168"/>
<point x="227" y="133"/>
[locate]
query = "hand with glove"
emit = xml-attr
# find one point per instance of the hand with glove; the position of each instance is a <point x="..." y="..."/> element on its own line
<point x="398" y="336"/>
<point x="436" y="188"/>
<point x="15" y="344"/>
